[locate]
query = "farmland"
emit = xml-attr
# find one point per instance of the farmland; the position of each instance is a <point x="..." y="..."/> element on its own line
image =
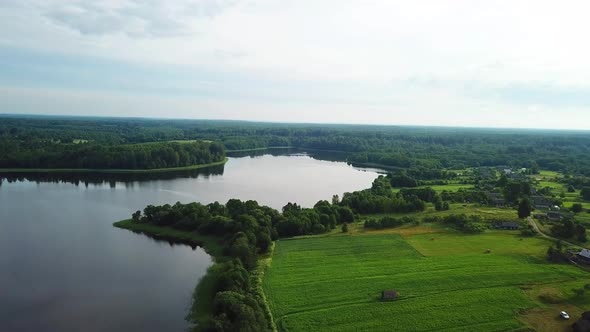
<point x="445" y="281"/>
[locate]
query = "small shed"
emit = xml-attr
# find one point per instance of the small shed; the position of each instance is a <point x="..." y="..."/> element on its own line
<point x="388" y="295"/>
<point x="554" y="216"/>
<point x="584" y="256"/>
<point x="506" y="225"/>
<point x="540" y="216"/>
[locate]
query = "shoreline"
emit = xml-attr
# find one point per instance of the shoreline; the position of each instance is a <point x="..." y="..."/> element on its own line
<point x="200" y="310"/>
<point x="112" y="171"/>
<point x="261" y="149"/>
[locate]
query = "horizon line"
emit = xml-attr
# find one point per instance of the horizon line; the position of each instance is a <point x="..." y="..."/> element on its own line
<point x="21" y="115"/>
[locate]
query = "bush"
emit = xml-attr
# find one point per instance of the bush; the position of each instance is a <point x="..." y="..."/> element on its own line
<point x="344" y="228"/>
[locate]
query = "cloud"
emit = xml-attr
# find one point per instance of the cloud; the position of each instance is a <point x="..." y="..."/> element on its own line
<point x="393" y="61"/>
<point x="130" y="17"/>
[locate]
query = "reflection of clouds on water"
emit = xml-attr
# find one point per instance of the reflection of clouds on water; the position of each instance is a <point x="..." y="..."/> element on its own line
<point x="178" y="193"/>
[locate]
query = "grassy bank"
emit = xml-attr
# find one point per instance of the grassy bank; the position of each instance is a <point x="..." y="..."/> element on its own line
<point x="110" y="171"/>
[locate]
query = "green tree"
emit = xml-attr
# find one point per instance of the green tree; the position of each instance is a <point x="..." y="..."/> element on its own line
<point x="577" y="208"/>
<point x="524" y="208"/>
<point x="335" y="200"/>
<point x="136" y="216"/>
<point x="585" y="193"/>
<point x="345" y="228"/>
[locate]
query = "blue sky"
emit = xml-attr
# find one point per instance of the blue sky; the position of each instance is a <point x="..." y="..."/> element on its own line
<point x="452" y="63"/>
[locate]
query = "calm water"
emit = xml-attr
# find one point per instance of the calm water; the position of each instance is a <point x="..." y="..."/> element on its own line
<point x="64" y="267"/>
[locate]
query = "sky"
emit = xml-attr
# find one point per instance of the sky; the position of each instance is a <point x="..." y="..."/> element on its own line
<point x="522" y="64"/>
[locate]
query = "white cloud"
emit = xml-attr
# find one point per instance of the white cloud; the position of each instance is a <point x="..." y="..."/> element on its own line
<point x="436" y="59"/>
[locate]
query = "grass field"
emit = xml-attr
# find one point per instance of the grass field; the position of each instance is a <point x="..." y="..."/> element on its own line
<point x="445" y="280"/>
<point x="486" y="212"/>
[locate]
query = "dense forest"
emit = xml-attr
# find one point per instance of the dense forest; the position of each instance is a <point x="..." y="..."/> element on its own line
<point x="29" y="153"/>
<point x="414" y="148"/>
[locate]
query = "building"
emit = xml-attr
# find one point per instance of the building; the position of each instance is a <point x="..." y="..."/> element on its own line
<point x="554" y="215"/>
<point x="540" y="216"/>
<point x="584" y="256"/>
<point x="388" y="295"/>
<point x="509" y="225"/>
<point x="496" y="199"/>
<point x="541" y="202"/>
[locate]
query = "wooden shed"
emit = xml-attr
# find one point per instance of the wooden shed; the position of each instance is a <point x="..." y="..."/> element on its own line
<point x="388" y="295"/>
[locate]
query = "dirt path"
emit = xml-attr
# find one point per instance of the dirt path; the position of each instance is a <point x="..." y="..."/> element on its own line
<point x="533" y="224"/>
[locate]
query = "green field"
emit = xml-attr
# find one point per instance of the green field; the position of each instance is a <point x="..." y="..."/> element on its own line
<point x="445" y="280"/>
<point x="486" y="212"/>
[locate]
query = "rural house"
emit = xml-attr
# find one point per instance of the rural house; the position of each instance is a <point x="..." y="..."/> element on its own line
<point x="584" y="256"/>
<point x="388" y="295"/>
<point x="540" y="216"/>
<point x="511" y="225"/>
<point x="496" y="199"/>
<point x="541" y="202"/>
<point x="554" y="215"/>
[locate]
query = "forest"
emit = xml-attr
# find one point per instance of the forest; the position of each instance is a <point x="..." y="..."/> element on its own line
<point x="422" y="150"/>
<point x="15" y="153"/>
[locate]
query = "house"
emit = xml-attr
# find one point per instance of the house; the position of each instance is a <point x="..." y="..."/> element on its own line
<point x="583" y="324"/>
<point x="388" y="295"/>
<point x="496" y="199"/>
<point x="517" y="176"/>
<point x="584" y="256"/>
<point x="541" y="202"/>
<point x="499" y="202"/>
<point x="540" y="216"/>
<point x="511" y="225"/>
<point x="554" y="215"/>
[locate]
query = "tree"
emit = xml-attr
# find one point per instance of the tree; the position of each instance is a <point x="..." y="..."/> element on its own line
<point x="571" y="189"/>
<point x="136" y="216"/>
<point x="579" y="292"/>
<point x="581" y="233"/>
<point x="524" y="208"/>
<point x="345" y="228"/>
<point x="335" y="200"/>
<point x="346" y="214"/>
<point x="577" y="208"/>
<point x="585" y="193"/>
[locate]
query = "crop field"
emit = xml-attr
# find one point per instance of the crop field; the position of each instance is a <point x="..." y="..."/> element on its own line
<point x="445" y="280"/>
<point x="445" y="187"/>
<point x="486" y="212"/>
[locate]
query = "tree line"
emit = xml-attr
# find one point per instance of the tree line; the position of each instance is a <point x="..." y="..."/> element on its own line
<point x="414" y="148"/>
<point x="19" y="154"/>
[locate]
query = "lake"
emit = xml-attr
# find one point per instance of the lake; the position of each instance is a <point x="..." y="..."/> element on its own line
<point x="64" y="267"/>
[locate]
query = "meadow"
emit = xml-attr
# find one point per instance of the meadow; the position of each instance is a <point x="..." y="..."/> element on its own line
<point x="445" y="280"/>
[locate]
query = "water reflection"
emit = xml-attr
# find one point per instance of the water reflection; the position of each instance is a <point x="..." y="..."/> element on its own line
<point x="108" y="178"/>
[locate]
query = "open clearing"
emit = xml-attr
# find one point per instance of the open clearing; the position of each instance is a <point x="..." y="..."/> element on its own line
<point x="445" y="281"/>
